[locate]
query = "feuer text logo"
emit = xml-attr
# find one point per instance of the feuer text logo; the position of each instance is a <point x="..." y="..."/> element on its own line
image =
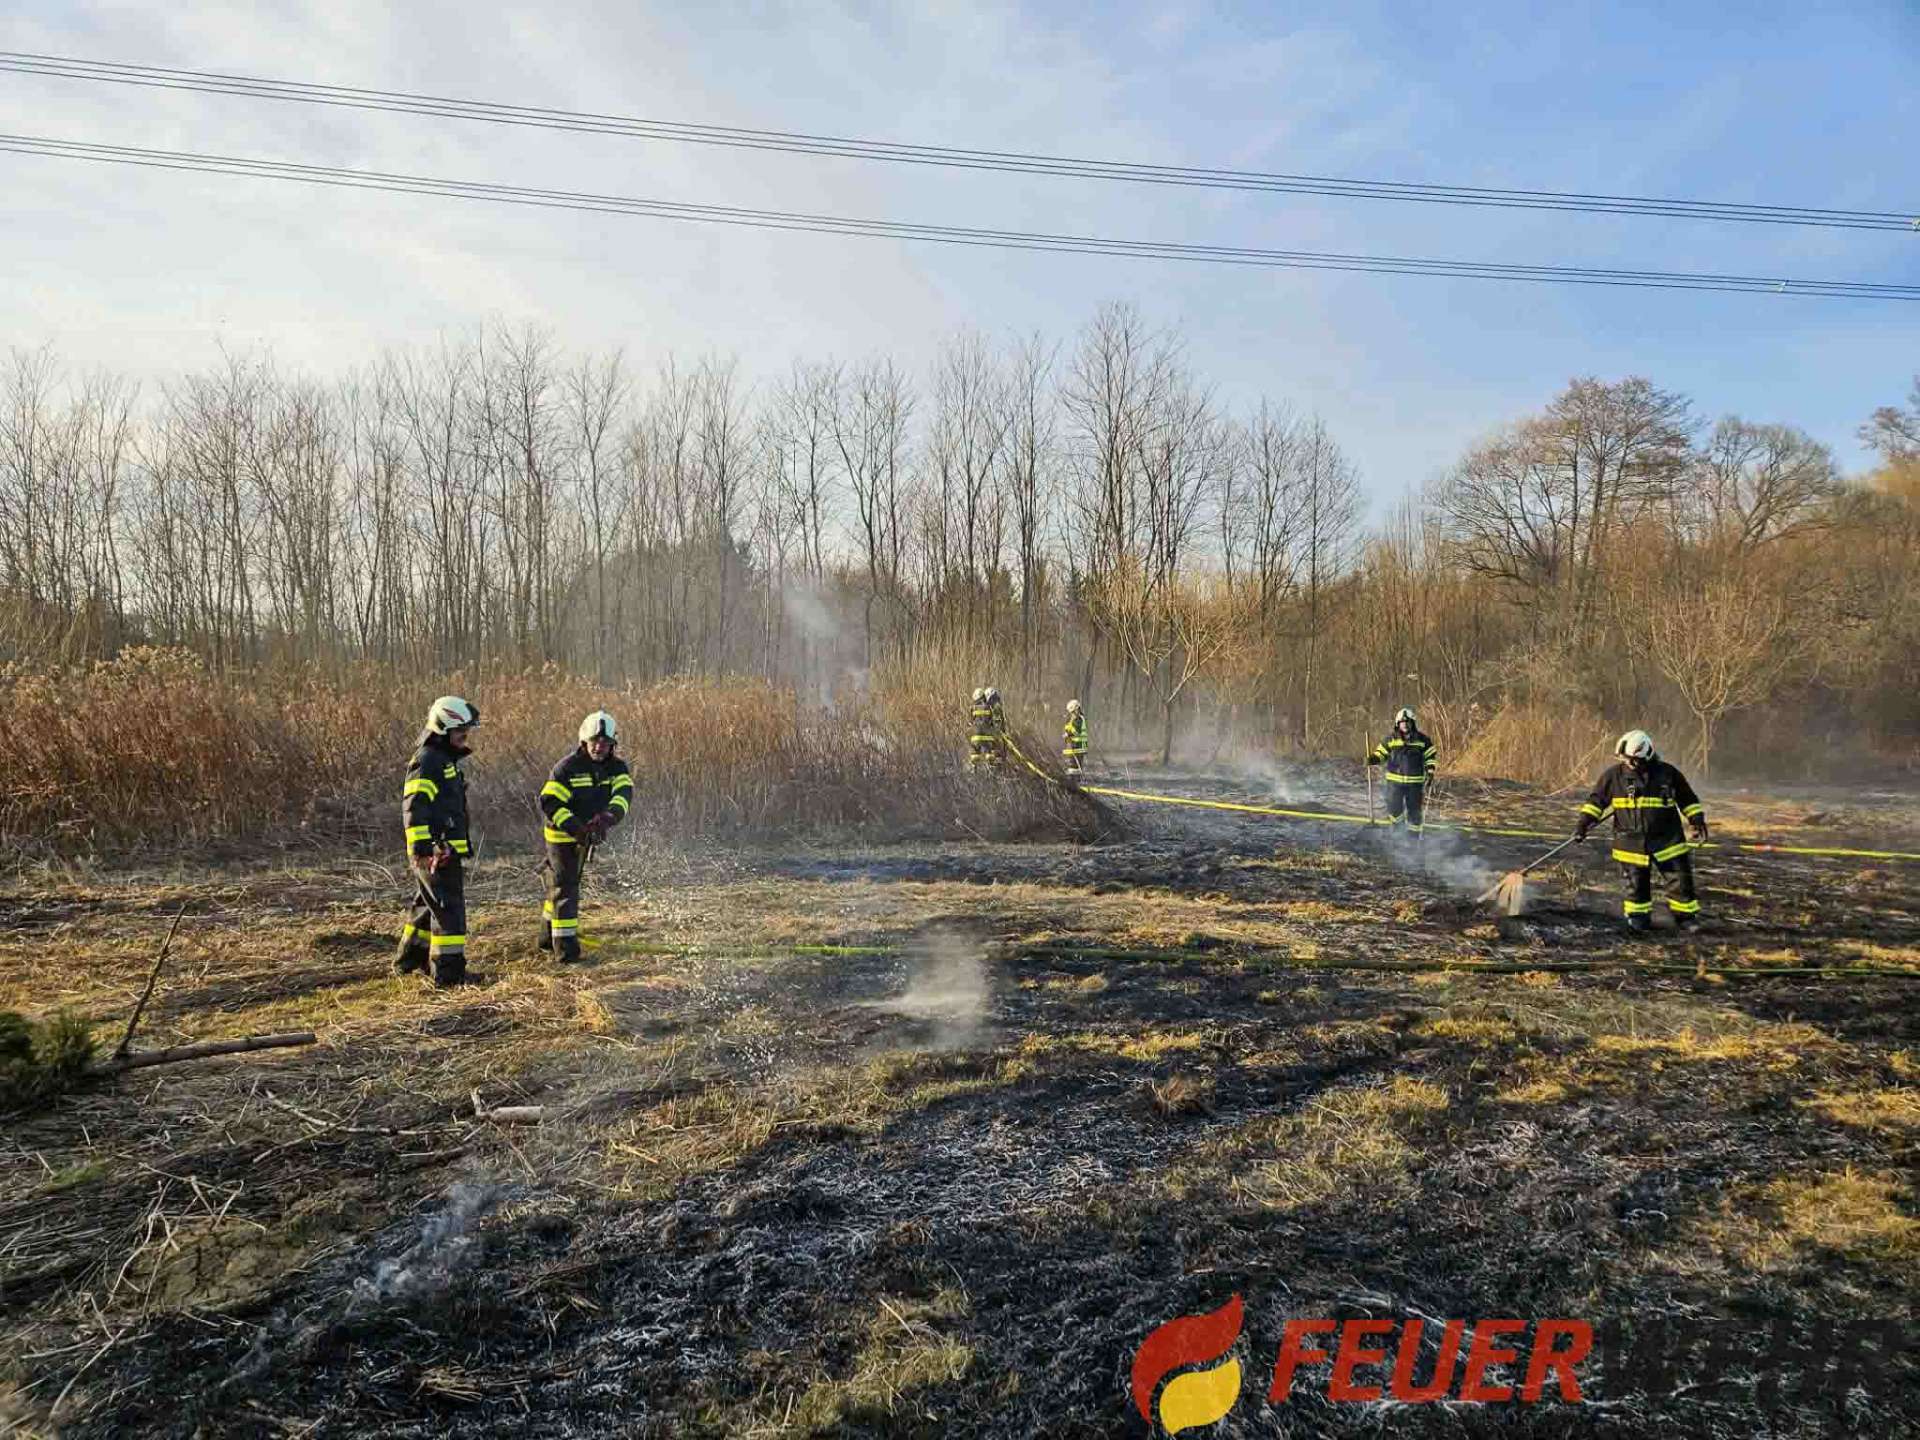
<point x="1388" y="1351"/>
<point x="1810" y="1365"/>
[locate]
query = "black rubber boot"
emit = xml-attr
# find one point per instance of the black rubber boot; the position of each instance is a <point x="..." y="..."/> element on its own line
<point x="1639" y="924"/>
<point x="1685" y="919"/>
<point x="545" y="941"/>
<point x="409" y="960"/>
<point x="568" y="953"/>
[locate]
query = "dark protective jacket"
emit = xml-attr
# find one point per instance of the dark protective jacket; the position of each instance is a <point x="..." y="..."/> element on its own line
<point x="1074" y="736"/>
<point x="433" y="800"/>
<point x="988" y="726"/>
<point x="580" y="788"/>
<point x="1409" y="760"/>
<point x="1648" y="809"/>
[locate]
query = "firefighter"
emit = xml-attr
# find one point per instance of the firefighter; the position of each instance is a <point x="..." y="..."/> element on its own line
<point x="433" y="808"/>
<point x="1409" y="758"/>
<point x="1073" y="745"/>
<point x="1649" y="799"/>
<point x="585" y="797"/>
<point x="984" y="739"/>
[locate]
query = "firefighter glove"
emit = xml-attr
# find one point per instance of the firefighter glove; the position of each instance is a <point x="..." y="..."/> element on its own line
<point x="1700" y="829"/>
<point x="1580" y="830"/>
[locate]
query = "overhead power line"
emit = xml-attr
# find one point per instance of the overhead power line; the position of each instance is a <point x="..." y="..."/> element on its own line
<point x="180" y="160"/>
<point x="944" y="156"/>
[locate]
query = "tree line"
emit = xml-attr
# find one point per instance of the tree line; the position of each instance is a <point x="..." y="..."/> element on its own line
<point x="1076" y="517"/>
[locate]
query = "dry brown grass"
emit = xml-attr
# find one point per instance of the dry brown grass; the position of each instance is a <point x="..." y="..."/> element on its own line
<point x="282" y="757"/>
<point x="1360" y="1137"/>
<point x="1856" y="1214"/>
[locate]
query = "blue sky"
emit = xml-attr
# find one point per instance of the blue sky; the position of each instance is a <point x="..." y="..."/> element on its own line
<point x="1779" y="104"/>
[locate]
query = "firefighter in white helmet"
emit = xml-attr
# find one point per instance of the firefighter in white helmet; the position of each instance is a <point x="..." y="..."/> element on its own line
<point x="983" y="739"/>
<point x="587" y="794"/>
<point x="1649" y="800"/>
<point x="1073" y="739"/>
<point x="1409" y="757"/>
<point x="433" y="809"/>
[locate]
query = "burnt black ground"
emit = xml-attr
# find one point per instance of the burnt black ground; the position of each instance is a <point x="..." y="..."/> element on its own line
<point x="513" y="1289"/>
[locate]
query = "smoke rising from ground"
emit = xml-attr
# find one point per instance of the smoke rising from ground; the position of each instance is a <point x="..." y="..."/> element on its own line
<point x="948" y="988"/>
<point x="425" y="1268"/>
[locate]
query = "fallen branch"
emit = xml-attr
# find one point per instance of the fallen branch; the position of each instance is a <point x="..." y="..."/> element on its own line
<point x="174" y="1054"/>
<point x="509" y="1114"/>
<point x="133" y="1020"/>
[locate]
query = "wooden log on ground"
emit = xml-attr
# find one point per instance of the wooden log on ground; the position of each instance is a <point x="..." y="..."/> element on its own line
<point x="174" y="1054"/>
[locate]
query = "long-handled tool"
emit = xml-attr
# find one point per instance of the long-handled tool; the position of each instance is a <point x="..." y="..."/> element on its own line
<point x="1509" y="892"/>
<point x="1366" y="764"/>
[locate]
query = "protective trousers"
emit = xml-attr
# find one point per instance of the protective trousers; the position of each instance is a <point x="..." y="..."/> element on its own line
<point x="560" y="931"/>
<point x="1681" y="899"/>
<point x="434" y="938"/>
<point x="1408" y="799"/>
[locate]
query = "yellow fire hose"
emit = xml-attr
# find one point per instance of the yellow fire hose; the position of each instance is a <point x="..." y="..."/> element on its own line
<point x="1838" y="852"/>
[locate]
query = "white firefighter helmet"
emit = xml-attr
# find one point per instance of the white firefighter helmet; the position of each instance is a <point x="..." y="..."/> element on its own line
<point x="979" y="694"/>
<point x="1635" y="745"/>
<point x="1406" y="714"/>
<point x="450" y="712"/>
<point x="597" y="726"/>
<point x="1073" y="707"/>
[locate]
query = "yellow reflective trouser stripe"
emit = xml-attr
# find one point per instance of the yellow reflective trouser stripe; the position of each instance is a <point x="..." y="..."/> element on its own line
<point x="1591" y="809"/>
<point x="556" y="790"/>
<point x="558" y="837"/>
<point x="1639" y="907"/>
<point x="449" y="942"/>
<point x="409" y="932"/>
<point x="564" y="927"/>
<point x="420" y="786"/>
<point x="419" y="832"/>
<point x="1683" y="907"/>
<point x="546" y="908"/>
<point x="1406" y="779"/>
<point x="1636" y="857"/>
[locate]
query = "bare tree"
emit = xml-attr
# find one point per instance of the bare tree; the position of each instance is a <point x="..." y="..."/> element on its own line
<point x="1029" y="460"/>
<point x="1329" y="518"/>
<point x="1753" y="484"/>
<point x="871" y="414"/>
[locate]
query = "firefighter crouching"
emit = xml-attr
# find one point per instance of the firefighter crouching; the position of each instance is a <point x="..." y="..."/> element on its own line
<point x="1409" y="758"/>
<point x="585" y="797"/>
<point x="1649" y="799"/>
<point x="1073" y="745"/>
<point x="433" y="808"/>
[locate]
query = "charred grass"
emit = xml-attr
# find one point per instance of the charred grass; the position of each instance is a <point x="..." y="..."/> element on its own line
<point x="940" y="1178"/>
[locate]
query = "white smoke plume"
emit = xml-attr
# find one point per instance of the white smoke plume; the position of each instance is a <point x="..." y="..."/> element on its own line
<point x="948" y="988"/>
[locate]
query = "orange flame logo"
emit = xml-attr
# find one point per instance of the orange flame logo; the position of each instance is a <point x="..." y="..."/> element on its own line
<point x="1199" y="1397"/>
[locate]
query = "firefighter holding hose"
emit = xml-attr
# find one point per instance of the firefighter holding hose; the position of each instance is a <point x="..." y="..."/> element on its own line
<point x="1073" y="740"/>
<point x="1649" y="801"/>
